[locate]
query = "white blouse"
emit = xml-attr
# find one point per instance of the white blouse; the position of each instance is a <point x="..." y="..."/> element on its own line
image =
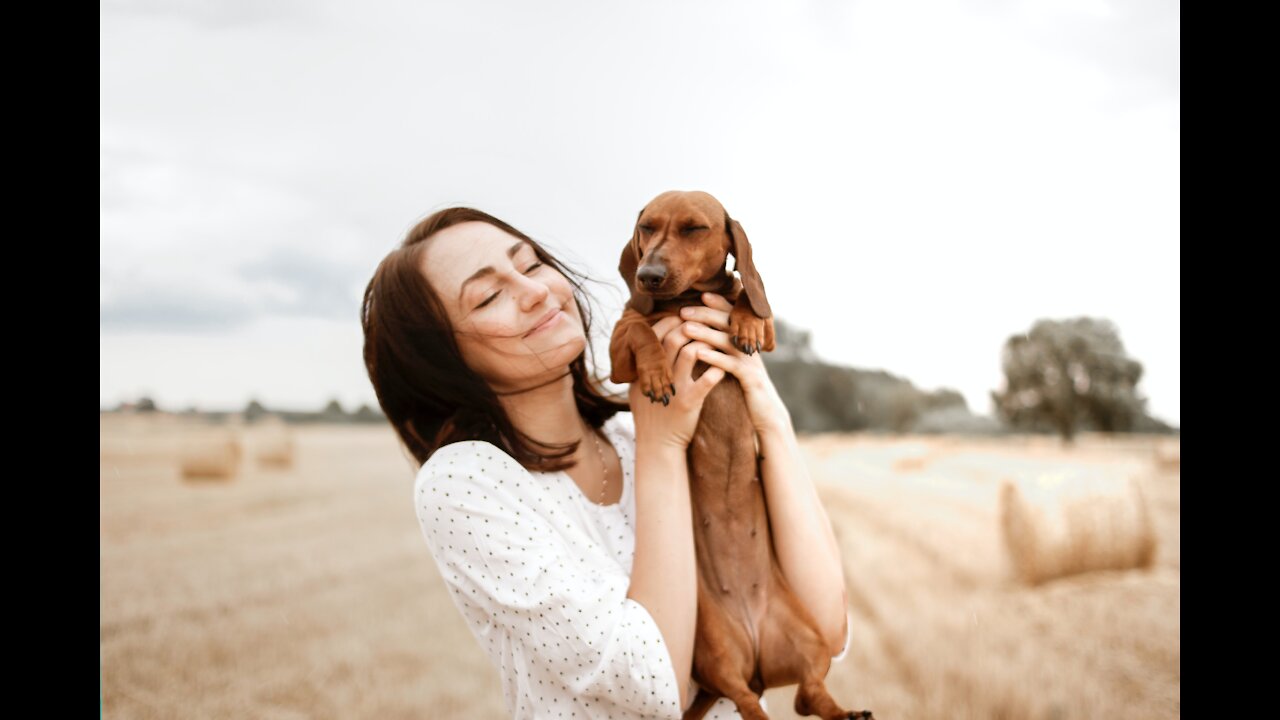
<point x="540" y="573"/>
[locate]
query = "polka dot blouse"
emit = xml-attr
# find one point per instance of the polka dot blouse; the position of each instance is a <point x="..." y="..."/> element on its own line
<point x="540" y="573"/>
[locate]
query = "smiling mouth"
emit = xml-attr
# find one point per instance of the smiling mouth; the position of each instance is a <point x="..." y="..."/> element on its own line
<point x="539" y="326"/>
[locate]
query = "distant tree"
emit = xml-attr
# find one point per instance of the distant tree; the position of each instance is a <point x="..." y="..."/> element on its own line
<point x="1064" y="375"/>
<point x="367" y="414"/>
<point x="146" y="404"/>
<point x="254" y="411"/>
<point x="944" y="398"/>
<point x="334" y="411"/>
<point x="834" y="394"/>
<point x="793" y="343"/>
<point x="903" y="406"/>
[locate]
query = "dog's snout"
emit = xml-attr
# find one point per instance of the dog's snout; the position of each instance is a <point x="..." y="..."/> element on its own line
<point x="651" y="276"/>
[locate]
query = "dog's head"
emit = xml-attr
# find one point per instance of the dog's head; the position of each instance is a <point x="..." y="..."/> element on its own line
<point x="681" y="238"/>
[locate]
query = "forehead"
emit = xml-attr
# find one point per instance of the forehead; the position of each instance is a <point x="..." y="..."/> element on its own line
<point x="683" y="206"/>
<point x="455" y="253"/>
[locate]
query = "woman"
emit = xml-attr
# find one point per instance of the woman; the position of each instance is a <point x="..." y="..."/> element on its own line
<point x="561" y="522"/>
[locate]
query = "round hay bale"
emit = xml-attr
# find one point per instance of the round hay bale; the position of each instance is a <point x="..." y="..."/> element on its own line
<point x="911" y="456"/>
<point x="911" y="463"/>
<point x="822" y="445"/>
<point x="274" y="444"/>
<point x="1062" y="523"/>
<point x="213" y="453"/>
<point x="1169" y="455"/>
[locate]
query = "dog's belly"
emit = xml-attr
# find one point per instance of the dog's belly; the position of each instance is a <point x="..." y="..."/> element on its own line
<point x="731" y="523"/>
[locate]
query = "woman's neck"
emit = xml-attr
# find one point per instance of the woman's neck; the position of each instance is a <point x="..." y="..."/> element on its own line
<point x="548" y="413"/>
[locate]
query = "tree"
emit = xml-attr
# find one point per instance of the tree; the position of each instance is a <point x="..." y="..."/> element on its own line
<point x="254" y="411"/>
<point x="1064" y="375"/>
<point x="333" y="412"/>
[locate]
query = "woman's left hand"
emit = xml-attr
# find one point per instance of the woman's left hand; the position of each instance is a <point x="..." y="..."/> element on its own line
<point x="710" y="324"/>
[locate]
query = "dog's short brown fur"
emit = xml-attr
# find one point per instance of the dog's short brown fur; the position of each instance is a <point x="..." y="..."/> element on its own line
<point x="753" y="633"/>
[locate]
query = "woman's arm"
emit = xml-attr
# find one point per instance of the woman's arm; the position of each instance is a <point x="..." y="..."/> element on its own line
<point x="664" y="570"/>
<point x="802" y="536"/>
<point x="664" y="573"/>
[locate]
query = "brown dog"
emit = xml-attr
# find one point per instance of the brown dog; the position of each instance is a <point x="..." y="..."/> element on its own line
<point x="753" y="633"/>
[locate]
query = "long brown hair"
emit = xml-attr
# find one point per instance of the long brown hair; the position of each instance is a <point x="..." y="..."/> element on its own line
<point x="423" y="385"/>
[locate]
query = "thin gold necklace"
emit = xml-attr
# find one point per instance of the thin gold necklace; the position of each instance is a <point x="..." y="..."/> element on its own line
<point x="603" y="466"/>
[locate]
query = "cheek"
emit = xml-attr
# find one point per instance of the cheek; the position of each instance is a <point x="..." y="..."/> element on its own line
<point x="492" y="331"/>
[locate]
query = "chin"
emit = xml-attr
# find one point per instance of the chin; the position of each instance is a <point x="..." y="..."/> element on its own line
<point x="575" y="347"/>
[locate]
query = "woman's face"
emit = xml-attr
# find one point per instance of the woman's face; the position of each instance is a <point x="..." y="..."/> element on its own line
<point x="497" y="292"/>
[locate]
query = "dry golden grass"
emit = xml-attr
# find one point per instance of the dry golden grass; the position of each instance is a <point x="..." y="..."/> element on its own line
<point x="274" y="443"/>
<point x="307" y="592"/>
<point x="1169" y="455"/>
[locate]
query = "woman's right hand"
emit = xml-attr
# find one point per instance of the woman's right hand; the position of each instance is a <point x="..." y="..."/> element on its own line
<point x="674" y="423"/>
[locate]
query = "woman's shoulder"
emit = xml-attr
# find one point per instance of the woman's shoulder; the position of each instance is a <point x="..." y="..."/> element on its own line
<point x="469" y="462"/>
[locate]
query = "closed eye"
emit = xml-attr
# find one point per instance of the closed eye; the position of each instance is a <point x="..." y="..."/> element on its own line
<point x="693" y="229"/>
<point x="532" y="267"/>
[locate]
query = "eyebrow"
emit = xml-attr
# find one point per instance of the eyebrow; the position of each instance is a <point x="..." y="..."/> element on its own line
<point x="488" y="269"/>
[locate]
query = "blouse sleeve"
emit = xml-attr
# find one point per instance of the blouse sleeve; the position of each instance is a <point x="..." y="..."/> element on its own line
<point x="494" y="552"/>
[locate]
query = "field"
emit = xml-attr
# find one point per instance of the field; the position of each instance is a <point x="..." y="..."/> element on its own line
<point x="306" y="590"/>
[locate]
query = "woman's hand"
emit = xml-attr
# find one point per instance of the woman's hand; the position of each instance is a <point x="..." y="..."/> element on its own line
<point x="710" y="324"/>
<point x="674" y="423"/>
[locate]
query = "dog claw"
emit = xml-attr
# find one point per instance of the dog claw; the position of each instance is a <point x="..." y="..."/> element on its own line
<point x="673" y="390"/>
<point x="665" y="397"/>
<point x="757" y="346"/>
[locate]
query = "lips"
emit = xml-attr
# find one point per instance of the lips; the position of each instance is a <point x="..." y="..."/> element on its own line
<point x="542" y="320"/>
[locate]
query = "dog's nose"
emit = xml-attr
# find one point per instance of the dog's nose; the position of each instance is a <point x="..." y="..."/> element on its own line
<point x="651" y="276"/>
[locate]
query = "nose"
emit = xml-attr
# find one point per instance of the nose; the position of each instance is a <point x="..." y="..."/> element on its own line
<point x="651" y="276"/>
<point x="534" y="293"/>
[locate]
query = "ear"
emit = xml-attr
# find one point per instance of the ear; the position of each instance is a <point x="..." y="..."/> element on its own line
<point x="751" y="282"/>
<point x="628" y="265"/>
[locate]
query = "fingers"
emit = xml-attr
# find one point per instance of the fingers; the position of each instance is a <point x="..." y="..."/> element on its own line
<point x="719" y="302"/>
<point x="720" y="360"/>
<point x="690" y="354"/>
<point x="709" y="378"/>
<point x="687" y="356"/>
<point x="715" y="313"/>
<point x="665" y="325"/>
<point x="673" y="342"/>
<point x="716" y="338"/>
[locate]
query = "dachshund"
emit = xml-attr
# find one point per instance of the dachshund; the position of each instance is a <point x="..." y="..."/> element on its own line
<point x="753" y="633"/>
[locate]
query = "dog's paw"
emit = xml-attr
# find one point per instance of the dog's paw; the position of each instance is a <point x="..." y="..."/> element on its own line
<point x="655" y="382"/>
<point x="750" y="333"/>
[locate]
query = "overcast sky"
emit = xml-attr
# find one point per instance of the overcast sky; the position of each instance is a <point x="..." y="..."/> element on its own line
<point x="919" y="180"/>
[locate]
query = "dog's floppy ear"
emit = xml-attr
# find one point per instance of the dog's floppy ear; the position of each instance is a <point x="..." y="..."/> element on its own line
<point x="630" y="262"/>
<point x="751" y="282"/>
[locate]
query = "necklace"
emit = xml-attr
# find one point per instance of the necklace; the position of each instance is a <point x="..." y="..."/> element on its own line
<point x="603" y="466"/>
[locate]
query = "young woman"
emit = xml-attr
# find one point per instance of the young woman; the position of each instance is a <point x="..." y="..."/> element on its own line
<point x="559" y="520"/>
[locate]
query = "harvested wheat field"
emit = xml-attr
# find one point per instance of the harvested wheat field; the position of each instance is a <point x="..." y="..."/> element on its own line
<point x="987" y="578"/>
